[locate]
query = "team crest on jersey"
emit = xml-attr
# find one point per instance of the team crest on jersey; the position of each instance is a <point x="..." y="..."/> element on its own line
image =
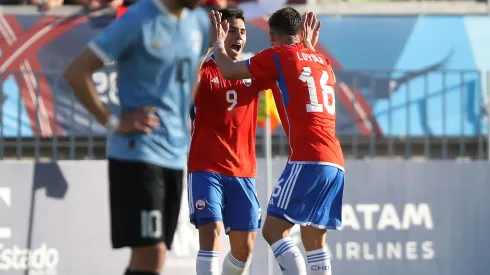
<point x="200" y="204"/>
<point x="247" y="82"/>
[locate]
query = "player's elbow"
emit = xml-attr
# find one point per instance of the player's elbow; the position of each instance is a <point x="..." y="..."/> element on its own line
<point x="70" y="74"/>
<point x="74" y="75"/>
<point x="81" y="68"/>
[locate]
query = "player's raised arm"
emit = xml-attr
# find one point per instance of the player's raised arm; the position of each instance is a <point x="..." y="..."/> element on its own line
<point x="230" y="69"/>
<point x="262" y="65"/>
<point x="310" y="30"/>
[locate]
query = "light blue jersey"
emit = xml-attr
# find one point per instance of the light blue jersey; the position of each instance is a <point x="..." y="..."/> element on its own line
<point x="157" y="57"/>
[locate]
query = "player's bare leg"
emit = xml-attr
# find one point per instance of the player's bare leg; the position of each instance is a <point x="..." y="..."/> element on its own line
<point x="207" y="262"/>
<point x="238" y="259"/>
<point x="288" y="256"/>
<point x="147" y="260"/>
<point x="314" y="241"/>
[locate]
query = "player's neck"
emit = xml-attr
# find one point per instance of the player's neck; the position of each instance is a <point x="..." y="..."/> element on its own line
<point x="173" y="7"/>
<point x="288" y="40"/>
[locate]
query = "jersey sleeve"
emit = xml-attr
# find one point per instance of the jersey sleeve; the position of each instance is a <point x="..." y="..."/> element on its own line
<point x="117" y="37"/>
<point x="264" y="64"/>
<point x="263" y="84"/>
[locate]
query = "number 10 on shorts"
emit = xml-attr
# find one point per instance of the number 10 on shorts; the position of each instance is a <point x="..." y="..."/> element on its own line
<point x="151" y="224"/>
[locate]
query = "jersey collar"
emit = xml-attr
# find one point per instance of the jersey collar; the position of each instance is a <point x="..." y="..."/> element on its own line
<point x="165" y="11"/>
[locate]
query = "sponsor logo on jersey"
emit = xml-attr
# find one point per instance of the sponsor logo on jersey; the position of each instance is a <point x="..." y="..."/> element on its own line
<point x="215" y="80"/>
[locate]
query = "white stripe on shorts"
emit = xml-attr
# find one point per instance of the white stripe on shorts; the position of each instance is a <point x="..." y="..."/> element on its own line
<point x="293" y="183"/>
<point x="287" y="186"/>
<point x="189" y="197"/>
<point x="281" y="195"/>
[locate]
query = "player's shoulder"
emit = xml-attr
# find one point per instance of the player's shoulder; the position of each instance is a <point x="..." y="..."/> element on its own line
<point x="266" y="51"/>
<point x="308" y="55"/>
<point x="209" y="63"/>
<point x="209" y="68"/>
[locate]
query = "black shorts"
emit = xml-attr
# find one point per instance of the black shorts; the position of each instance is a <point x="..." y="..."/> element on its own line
<point x="145" y="203"/>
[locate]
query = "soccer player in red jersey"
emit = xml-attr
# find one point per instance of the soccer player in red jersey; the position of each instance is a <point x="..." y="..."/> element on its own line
<point x="310" y="190"/>
<point x="222" y="165"/>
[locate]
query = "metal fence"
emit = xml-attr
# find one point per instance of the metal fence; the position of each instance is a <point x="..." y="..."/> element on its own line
<point x="430" y="114"/>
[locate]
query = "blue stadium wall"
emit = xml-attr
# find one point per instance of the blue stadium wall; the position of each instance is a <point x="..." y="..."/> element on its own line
<point x="408" y="75"/>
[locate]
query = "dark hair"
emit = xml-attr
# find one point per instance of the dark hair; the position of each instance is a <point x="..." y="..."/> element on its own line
<point x="230" y="14"/>
<point x="286" y="21"/>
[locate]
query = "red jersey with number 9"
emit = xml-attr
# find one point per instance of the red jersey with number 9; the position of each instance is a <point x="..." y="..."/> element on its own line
<point x="224" y="123"/>
<point x="305" y="101"/>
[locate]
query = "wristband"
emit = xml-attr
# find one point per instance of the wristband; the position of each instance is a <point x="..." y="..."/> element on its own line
<point x="112" y="124"/>
<point x="219" y="45"/>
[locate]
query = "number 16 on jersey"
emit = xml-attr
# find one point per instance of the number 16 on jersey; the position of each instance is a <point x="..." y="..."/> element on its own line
<point x="327" y="92"/>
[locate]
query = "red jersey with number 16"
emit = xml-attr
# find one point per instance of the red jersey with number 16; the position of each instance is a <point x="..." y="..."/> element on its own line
<point x="224" y="124"/>
<point x="305" y="101"/>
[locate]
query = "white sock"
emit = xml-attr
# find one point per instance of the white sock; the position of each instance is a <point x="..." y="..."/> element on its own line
<point x="207" y="263"/>
<point x="319" y="262"/>
<point x="289" y="257"/>
<point x="232" y="266"/>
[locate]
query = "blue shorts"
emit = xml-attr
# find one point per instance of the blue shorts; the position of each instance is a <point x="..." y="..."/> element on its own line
<point x="232" y="200"/>
<point x="309" y="194"/>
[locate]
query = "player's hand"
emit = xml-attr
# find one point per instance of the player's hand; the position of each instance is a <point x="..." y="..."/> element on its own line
<point x="219" y="29"/>
<point x="115" y="4"/>
<point x="311" y="29"/>
<point x="141" y="120"/>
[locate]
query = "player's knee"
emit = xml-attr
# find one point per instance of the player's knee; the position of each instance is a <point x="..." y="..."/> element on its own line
<point x="242" y="244"/>
<point x="270" y="235"/>
<point x="313" y="238"/>
<point x="209" y="236"/>
<point x="275" y="229"/>
<point x="242" y="254"/>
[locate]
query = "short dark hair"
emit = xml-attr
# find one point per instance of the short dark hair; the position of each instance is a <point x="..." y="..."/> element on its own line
<point x="230" y="14"/>
<point x="286" y="21"/>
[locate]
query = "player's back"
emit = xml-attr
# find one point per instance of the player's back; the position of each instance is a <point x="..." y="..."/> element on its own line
<point x="306" y="82"/>
<point x="224" y="124"/>
<point x="157" y="56"/>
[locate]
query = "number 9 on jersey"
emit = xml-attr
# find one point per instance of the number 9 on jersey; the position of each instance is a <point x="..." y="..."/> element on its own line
<point x="232" y="98"/>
